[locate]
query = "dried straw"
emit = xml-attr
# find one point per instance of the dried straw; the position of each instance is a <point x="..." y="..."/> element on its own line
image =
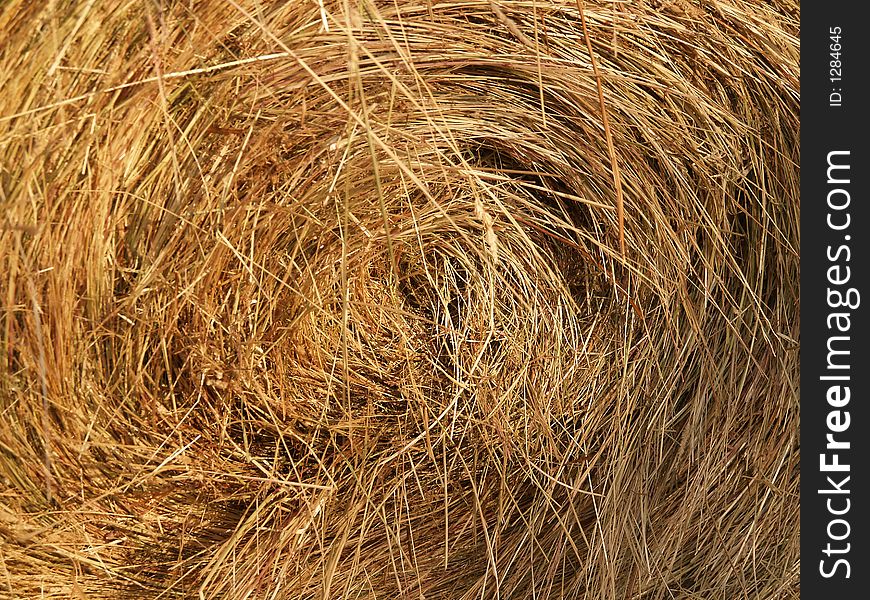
<point x="327" y="299"/>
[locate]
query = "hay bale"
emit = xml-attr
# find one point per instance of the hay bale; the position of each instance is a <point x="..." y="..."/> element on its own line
<point x="396" y="299"/>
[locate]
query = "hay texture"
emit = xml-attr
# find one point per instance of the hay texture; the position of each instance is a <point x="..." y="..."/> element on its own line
<point x="399" y="299"/>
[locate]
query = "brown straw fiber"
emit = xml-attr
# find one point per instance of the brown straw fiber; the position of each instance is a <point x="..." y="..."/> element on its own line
<point x="399" y="299"/>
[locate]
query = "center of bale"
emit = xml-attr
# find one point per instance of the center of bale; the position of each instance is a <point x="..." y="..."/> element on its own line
<point x="356" y="350"/>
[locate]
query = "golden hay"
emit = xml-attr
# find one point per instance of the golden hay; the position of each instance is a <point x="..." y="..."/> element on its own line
<point x="309" y="299"/>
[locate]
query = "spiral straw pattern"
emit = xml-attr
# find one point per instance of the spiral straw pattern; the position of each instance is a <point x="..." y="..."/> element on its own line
<point x="399" y="299"/>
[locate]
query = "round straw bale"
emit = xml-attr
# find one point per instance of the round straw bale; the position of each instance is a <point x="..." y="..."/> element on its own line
<point x="399" y="299"/>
